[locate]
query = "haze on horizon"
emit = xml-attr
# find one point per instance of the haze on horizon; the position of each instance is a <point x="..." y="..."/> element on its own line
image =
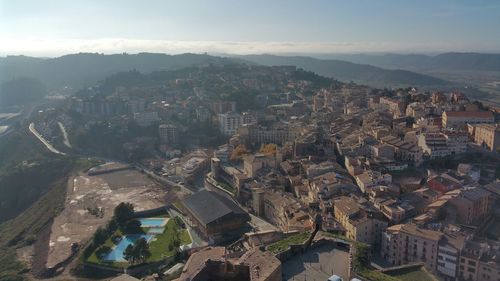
<point x="57" y="27"/>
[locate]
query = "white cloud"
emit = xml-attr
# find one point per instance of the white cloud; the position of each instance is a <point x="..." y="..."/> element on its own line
<point x="49" y="48"/>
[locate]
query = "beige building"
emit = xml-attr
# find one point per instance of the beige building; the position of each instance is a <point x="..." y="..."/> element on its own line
<point x="253" y="163"/>
<point x="361" y="224"/>
<point x="488" y="136"/>
<point x="369" y="179"/>
<point x="478" y="262"/>
<point x="404" y="151"/>
<point x="285" y="212"/>
<point x="407" y="243"/>
<point x="396" y="107"/>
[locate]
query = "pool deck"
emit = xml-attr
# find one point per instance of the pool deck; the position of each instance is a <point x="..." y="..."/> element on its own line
<point x="154" y="225"/>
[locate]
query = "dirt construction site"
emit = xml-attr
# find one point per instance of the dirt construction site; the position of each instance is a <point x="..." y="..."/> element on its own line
<point x="90" y="203"/>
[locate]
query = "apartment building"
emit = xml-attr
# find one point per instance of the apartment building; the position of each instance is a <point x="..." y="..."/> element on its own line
<point x="442" y="144"/>
<point x="407" y="243"/>
<point x="229" y="123"/>
<point x="479" y="261"/>
<point x="361" y="223"/>
<point x="396" y="107"/>
<point x="146" y="119"/>
<point x="472" y="205"/>
<point x="169" y="134"/>
<point x="404" y="151"/>
<point x="488" y="136"/>
<point x="449" y="253"/>
<point x="277" y="134"/>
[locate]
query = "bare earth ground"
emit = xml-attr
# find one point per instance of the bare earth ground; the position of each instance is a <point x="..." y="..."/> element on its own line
<point x="90" y="203"/>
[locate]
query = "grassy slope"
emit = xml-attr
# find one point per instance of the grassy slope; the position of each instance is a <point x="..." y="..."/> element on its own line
<point x="23" y="229"/>
<point x="15" y="149"/>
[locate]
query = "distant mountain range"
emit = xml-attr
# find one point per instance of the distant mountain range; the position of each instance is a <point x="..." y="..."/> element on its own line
<point x="445" y="61"/>
<point x="348" y="71"/>
<point x="85" y="69"/>
<point x="388" y="70"/>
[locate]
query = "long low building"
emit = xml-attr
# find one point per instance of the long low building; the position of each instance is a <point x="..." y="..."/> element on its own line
<point x="214" y="216"/>
<point x="451" y="119"/>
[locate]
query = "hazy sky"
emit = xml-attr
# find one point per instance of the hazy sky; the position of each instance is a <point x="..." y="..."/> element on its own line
<point x="50" y="28"/>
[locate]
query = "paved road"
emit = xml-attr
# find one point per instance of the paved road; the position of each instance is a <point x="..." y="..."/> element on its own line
<point x="65" y="134"/>
<point x="44" y="141"/>
<point x="164" y="179"/>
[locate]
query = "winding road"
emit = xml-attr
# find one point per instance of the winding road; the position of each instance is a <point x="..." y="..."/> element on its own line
<point x="44" y="141"/>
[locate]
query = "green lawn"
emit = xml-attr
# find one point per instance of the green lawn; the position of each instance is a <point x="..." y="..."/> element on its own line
<point x="227" y="187"/>
<point x="185" y="238"/>
<point x="162" y="245"/>
<point x="414" y="275"/>
<point x="282" y="245"/>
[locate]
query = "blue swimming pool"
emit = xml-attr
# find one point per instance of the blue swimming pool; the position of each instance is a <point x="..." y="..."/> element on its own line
<point x="116" y="254"/>
<point x="153" y="222"/>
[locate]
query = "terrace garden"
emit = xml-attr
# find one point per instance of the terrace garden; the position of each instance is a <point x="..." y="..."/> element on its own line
<point x="283" y="244"/>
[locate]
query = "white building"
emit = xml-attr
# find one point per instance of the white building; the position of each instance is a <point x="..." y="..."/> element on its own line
<point x="436" y="145"/>
<point x="229" y="123"/>
<point x="146" y="119"/>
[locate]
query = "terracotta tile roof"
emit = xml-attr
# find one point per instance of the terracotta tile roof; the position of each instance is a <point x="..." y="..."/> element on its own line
<point x="413" y="230"/>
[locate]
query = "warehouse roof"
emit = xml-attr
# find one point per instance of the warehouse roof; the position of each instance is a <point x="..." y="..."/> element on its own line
<point x="208" y="206"/>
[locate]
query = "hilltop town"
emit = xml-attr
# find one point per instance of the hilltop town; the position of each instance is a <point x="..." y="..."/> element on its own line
<point x="248" y="172"/>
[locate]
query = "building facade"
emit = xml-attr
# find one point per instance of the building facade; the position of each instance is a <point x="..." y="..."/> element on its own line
<point x="407" y="243"/>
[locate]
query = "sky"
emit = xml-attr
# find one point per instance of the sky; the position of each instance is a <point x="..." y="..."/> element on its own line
<point x="57" y="27"/>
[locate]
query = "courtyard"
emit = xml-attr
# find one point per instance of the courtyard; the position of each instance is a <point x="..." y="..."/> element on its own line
<point x="317" y="264"/>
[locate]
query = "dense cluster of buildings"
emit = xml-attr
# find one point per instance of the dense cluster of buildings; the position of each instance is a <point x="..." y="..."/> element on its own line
<point x="352" y="168"/>
<point x="372" y="165"/>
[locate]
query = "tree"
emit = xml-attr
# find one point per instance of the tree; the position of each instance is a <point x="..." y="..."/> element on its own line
<point x="139" y="252"/>
<point x="268" y="149"/>
<point x="111" y="227"/>
<point x="239" y="152"/>
<point x="133" y="226"/>
<point x="129" y="254"/>
<point x="142" y="248"/>
<point x="123" y="212"/>
<point x="100" y="237"/>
